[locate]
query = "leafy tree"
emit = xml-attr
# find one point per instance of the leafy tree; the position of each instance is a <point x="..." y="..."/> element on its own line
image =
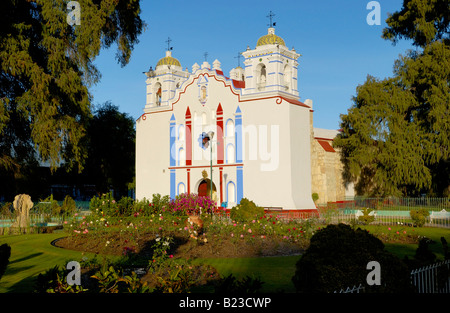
<point x="46" y="68"/>
<point x="423" y="21"/>
<point x="395" y="137"/>
<point x="337" y="258"/>
<point x="111" y="152"/>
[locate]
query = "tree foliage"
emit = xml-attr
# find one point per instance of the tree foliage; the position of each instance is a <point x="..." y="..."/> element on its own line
<point x="46" y="68"/>
<point x="395" y="137"/>
<point x="337" y="258"/>
<point x="111" y="150"/>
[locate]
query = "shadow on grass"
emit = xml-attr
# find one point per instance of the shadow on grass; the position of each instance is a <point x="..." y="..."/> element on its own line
<point x="26" y="258"/>
<point x="25" y="285"/>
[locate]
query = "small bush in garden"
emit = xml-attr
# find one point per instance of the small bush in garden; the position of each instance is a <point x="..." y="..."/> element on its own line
<point x="5" y="253"/>
<point x="104" y="205"/>
<point x="159" y="203"/>
<point x="246" y="211"/>
<point x="230" y="284"/>
<point x="112" y="280"/>
<point x="160" y="256"/>
<point x="54" y="281"/>
<point x="191" y="203"/>
<point x="366" y="218"/>
<point x="419" y="216"/>
<point x="68" y="207"/>
<point x="337" y="259"/>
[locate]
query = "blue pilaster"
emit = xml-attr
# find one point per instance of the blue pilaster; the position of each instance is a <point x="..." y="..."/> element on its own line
<point x="239" y="159"/>
<point x="239" y="183"/>
<point x="172" y="154"/>
<point x="238" y="135"/>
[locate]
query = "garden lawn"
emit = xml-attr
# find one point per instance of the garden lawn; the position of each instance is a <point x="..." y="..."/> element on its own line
<point x="406" y="249"/>
<point x="274" y="272"/>
<point x="32" y="254"/>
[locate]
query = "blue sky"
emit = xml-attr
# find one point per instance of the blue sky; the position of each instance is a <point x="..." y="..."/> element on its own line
<point x="339" y="49"/>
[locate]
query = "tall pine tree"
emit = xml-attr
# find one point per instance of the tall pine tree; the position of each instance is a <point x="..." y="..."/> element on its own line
<point x="46" y="68"/>
<point x="395" y="137"/>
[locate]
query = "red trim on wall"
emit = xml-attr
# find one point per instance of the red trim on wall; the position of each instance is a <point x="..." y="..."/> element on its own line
<point x="326" y="146"/>
<point x="188" y="171"/>
<point x="220" y="148"/>
<point x="279" y="99"/>
<point x="204" y="166"/>
<point x="188" y="137"/>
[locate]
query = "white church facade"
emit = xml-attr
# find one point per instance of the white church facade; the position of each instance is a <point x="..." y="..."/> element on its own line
<point x="261" y="134"/>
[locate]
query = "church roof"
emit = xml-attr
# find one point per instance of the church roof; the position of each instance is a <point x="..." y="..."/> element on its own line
<point x="168" y="60"/>
<point x="270" y="39"/>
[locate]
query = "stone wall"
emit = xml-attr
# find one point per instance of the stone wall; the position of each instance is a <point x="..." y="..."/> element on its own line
<point x="326" y="167"/>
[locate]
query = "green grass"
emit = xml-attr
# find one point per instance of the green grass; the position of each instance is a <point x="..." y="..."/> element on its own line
<point x="401" y="249"/>
<point x="275" y="272"/>
<point x="32" y="254"/>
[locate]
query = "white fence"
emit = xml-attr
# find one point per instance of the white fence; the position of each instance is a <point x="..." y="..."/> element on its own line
<point x="388" y="211"/>
<point x="434" y="278"/>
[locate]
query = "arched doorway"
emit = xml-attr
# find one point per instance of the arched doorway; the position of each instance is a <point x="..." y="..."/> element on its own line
<point x="204" y="188"/>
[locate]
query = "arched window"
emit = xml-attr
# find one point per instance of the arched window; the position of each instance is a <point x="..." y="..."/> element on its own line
<point x="181" y="188"/>
<point x="229" y="130"/>
<point x="181" y="157"/>
<point x="231" y="193"/>
<point x="158" y="94"/>
<point x="181" y="132"/>
<point x="287" y="76"/>
<point x="261" y="76"/>
<point x="204" y="119"/>
<point x="230" y="154"/>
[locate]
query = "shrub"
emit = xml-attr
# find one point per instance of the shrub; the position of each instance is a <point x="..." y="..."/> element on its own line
<point x="159" y="203"/>
<point x="230" y="284"/>
<point x="191" y="203"/>
<point x="246" y="211"/>
<point x="315" y="197"/>
<point x="112" y="280"/>
<point x="53" y="281"/>
<point x="337" y="258"/>
<point x="68" y="207"/>
<point x="105" y="203"/>
<point x="366" y="218"/>
<point x="419" y="216"/>
<point x="5" y="253"/>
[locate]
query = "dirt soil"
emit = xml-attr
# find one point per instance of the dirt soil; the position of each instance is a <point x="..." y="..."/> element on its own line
<point x="184" y="247"/>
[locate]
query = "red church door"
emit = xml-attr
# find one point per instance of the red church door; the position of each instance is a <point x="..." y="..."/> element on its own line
<point x="203" y="189"/>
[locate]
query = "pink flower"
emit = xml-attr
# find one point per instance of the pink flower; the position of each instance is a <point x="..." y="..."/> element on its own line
<point x="249" y="230"/>
<point x="171" y="256"/>
<point x="232" y="235"/>
<point x="389" y="228"/>
<point x="242" y="236"/>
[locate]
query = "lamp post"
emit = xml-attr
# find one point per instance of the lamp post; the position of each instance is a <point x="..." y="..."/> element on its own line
<point x="210" y="136"/>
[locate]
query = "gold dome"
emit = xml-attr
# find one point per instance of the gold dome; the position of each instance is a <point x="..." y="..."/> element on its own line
<point x="168" y="60"/>
<point x="270" y="39"/>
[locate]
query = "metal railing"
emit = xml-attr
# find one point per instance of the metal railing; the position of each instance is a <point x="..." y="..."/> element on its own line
<point x="388" y="211"/>
<point x="434" y="278"/>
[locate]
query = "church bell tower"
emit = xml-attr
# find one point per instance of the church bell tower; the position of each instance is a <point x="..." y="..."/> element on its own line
<point x="271" y="67"/>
